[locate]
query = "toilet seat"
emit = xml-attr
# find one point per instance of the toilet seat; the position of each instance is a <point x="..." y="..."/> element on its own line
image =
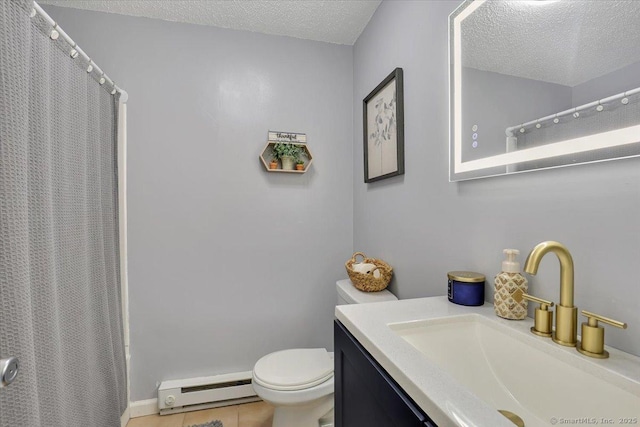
<point x="295" y="397"/>
<point x="296" y="369"/>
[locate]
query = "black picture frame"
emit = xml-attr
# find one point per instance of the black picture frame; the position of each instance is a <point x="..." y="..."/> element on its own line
<point x="383" y="129"/>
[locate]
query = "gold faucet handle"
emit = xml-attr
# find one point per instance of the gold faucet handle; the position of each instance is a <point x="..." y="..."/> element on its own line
<point x="543" y="319"/>
<point x="594" y="318"/>
<point x="544" y="304"/>
<point x="593" y="335"/>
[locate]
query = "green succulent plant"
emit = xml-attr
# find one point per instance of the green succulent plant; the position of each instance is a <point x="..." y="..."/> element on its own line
<point x="283" y="149"/>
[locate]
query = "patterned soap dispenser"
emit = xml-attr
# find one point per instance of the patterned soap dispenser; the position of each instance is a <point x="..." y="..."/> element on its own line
<point x="510" y="285"/>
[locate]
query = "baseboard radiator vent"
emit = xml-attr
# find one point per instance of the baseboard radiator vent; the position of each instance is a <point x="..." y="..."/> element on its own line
<point x="205" y="392"/>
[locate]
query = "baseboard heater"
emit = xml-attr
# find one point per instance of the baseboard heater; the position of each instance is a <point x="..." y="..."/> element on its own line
<point x="193" y="394"/>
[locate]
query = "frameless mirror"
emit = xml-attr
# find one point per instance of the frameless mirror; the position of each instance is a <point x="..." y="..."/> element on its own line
<point x="536" y="84"/>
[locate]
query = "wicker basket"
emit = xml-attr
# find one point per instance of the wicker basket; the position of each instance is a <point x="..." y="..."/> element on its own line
<point x="367" y="282"/>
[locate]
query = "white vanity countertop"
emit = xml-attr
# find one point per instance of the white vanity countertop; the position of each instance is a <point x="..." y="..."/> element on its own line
<point x="444" y="399"/>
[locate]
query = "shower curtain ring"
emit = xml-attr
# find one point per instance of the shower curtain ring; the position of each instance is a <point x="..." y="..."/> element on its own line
<point x="102" y="79"/>
<point x="625" y="100"/>
<point x="90" y="66"/>
<point x="73" y="52"/>
<point x="54" y="34"/>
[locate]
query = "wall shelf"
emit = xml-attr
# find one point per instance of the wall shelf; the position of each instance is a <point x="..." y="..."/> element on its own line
<point x="267" y="154"/>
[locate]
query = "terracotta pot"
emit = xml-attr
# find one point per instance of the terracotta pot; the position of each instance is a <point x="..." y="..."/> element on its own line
<point x="273" y="165"/>
<point x="300" y="167"/>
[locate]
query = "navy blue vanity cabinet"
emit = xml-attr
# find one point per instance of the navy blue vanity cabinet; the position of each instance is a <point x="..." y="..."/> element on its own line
<point x="366" y="396"/>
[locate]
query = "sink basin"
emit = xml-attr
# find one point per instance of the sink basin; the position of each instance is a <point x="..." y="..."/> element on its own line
<point x="518" y="372"/>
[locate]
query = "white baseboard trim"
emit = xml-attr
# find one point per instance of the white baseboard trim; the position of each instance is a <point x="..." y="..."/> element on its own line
<point x="124" y="419"/>
<point x="143" y="408"/>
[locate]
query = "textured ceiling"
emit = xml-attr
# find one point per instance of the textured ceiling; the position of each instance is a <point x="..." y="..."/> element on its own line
<point x="333" y="21"/>
<point x="566" y="42"/>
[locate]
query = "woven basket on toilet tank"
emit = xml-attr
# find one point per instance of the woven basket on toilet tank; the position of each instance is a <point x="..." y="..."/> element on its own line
<point x="368" y="282"/>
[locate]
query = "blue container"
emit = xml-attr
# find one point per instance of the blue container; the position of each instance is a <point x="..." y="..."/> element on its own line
<point x="466" y="288"/>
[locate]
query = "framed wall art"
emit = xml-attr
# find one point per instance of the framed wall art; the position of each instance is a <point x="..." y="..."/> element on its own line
<point x="383" y="120"/>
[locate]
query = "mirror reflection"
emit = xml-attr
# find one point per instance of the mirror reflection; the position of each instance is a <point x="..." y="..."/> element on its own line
<point x="543" y="83"/>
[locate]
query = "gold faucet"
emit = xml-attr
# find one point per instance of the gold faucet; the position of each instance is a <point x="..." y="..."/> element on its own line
<point x="566" y="314"/>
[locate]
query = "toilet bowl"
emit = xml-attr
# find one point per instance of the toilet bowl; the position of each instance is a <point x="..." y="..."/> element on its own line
<point x="299" y="382"/>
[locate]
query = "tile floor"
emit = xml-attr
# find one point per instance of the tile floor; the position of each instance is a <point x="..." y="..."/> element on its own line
<point x="257" y="414"/>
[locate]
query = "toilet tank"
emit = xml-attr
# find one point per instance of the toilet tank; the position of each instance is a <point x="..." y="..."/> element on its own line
<point x="348" y="294"/>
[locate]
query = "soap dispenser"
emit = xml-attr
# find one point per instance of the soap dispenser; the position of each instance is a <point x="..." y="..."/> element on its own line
<point x="510" y="284"/>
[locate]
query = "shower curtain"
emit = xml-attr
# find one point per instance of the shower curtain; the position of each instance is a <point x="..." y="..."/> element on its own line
<point x="60" y="302"/>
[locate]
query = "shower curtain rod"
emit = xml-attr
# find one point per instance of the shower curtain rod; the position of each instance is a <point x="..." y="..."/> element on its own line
<point x="511" y="130"/>
<point x="37" y="9"/>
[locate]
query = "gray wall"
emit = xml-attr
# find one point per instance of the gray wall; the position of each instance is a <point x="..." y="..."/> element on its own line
<point x="618" y="81"/>
<point x="226" y="261"/>
<point x="425" y="226"/>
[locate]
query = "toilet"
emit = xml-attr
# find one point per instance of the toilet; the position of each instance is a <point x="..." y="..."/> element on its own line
<point x="299" y="382"/>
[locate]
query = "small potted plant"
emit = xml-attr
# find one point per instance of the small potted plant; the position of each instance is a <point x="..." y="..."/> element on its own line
<point x="274" y="162"/>
<point x="287" y="153"/>
<point x="300" y="165"/>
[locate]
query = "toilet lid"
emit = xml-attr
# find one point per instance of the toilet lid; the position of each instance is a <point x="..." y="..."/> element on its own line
<point x="295" y="369"/>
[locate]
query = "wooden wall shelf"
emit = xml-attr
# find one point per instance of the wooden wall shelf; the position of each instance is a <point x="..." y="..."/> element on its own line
<point x="267" y="154"/>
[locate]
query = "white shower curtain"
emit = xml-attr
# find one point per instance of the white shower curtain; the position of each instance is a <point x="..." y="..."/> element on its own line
<point x="60" y="296"/>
